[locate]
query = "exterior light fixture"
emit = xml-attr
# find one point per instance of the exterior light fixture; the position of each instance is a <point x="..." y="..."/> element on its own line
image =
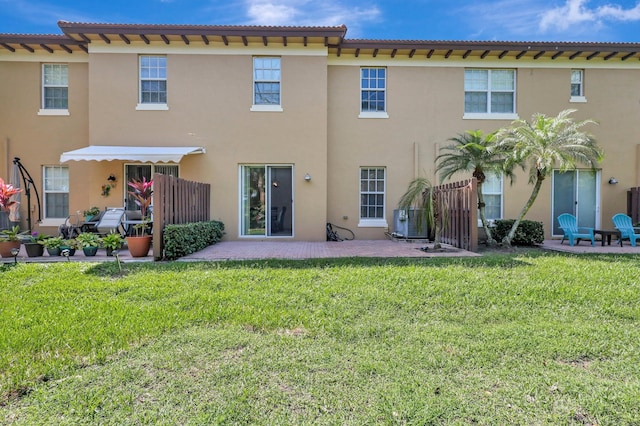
<point x="14" y="253"/>
<point x="613" y="181"/>
<point x="307" y="177"/>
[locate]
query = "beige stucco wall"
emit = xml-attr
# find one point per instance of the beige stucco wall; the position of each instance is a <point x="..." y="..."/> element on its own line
<point x="209" y="99"/>
<point x="318" y="132"/>
<point x="39" y="140"/>
<point x="425" y="108"/>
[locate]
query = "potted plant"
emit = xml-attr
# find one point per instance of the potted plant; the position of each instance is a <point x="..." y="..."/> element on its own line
<point x="69" y="245"/>
<point x="52" y="244"/>
<point x="89" y="243"/>
<point x="33" y="246"/>
<point x="90" y="213"/>
<point x="141" y="191"/>
<point x="9" y="239"/>
<point x="112" y="241"/>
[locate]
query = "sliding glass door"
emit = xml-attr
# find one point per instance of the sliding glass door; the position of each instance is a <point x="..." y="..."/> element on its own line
<point x="576" y="192"/>
<point x="266" y="195"/>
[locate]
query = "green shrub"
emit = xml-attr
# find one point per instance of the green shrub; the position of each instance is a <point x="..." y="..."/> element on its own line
<point x="527" y="234"/>
<point x="181" y="240"/>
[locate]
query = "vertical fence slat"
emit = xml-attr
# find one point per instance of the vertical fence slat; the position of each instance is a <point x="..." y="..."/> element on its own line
<point x="458" y="209"/>
<point x="177" y="201"/>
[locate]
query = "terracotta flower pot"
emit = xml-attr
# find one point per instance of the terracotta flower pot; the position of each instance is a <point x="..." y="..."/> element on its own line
<point x="139" y="246"/>
<point x="6" y="246"/>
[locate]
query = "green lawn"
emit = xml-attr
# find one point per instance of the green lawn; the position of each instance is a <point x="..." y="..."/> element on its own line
<point x="502" y="339"/>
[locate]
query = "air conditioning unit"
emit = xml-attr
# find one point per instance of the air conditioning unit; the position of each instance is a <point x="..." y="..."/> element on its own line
<point x="405" y="224"/>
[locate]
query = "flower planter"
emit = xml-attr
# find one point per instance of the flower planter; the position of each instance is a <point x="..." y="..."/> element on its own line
<point x="34" y="249"/>
<point x="90" y="251"/>
<point x="139" y="246"/>
<point x="53" y="251"/>
<point x="72" y="251"/>
<point x="6" y="246"/>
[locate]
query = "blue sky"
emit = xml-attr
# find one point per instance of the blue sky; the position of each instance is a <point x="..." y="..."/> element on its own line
<point x="512" y="20"/>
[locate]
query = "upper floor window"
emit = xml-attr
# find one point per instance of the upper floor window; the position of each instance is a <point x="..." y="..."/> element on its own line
<point x="55" y="89"/>
<point x="153" y="82"/>
<point x="56" y="192"/>
<point x="372" y="196"/>
<point x="577" y="86"/>
<point x="266" y="83"/>
<point x="489" y="92"/>
<point x="373" y="87"/>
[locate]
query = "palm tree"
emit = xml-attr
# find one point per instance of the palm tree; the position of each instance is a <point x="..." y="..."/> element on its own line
<point x="476" y="153"/>
<point x="543" y="144"/>
<point x="422" y="195"/>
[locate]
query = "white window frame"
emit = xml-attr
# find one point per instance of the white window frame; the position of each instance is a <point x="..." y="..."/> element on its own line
<point x="373" y="113"/>
<point x="64" y="189"/>
<point x="488" y="114"/>
<point x="580" y="98"/>
<point x="375" y="222"/>
<point x="257" y="80"/>
<point x="152" y="106"/>
<point x="500" y="193"/>
<point x="43" y="108"/>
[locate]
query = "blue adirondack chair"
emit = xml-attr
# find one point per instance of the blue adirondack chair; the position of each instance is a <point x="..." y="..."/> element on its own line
<point x="572" y="232"/>
<point x="623" y="223"/>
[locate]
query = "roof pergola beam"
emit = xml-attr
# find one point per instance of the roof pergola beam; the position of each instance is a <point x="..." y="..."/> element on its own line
<point x="104" y="38"/>
<point x="185" y="39"/>
<point x="47" y="48"/>
<point x="27" y="47"/>
<point x="521" y="54"/>
<point x="593" y="55"/>
<point x="124" y="38"/>
<point x="144" y="38"/>
<point x="610" y="55"/>
<point x="575" y="55"/>
<point x="165" y="39"/>
<point x="9" y="48"/>
<point x="503" y="54"/>
<point x="244" y="40"/>
<point x="539" y="54"/>
<point x="204" y="39"/>
<point x="557" y="55"/>
<point x="66" y="48"/>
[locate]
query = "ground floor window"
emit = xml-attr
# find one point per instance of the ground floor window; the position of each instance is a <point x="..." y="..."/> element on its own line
<point x="266" y="193"/>
<point x="492" y="191"/>
<point x="56" y="191"/>
<point x="372" y="196"/>
<point x="139" y="171"/>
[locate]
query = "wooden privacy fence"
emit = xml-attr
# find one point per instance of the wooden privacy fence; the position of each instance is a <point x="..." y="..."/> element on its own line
<point x="633" y="204"/>
<point x="177" y="201"/>
<point x="458" y="206"/>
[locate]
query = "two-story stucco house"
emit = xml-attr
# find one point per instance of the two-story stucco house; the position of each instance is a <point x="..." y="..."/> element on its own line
<point x="294" y="127"/>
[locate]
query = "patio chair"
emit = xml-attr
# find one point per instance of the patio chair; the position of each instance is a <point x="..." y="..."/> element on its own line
<point x="623" y="224"/>
<point x="111" y="221"/>
<point x="572" y="232"/>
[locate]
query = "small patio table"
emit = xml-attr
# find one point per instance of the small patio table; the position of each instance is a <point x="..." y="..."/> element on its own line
<point x="606" y="235"/>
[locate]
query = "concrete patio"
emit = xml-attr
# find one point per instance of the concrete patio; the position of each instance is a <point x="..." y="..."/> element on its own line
<point x="250" y="250"/>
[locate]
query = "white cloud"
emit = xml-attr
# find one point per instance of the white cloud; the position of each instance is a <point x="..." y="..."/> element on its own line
<point x="575" y="13"/>
<point x="311" y="13"/>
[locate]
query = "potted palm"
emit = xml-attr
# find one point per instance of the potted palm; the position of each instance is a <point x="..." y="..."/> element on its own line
<point x="89" y="243"/>
<point x="9" y="239"/>
<point x="112" y="241"/>
<point x="140" y="243"/>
